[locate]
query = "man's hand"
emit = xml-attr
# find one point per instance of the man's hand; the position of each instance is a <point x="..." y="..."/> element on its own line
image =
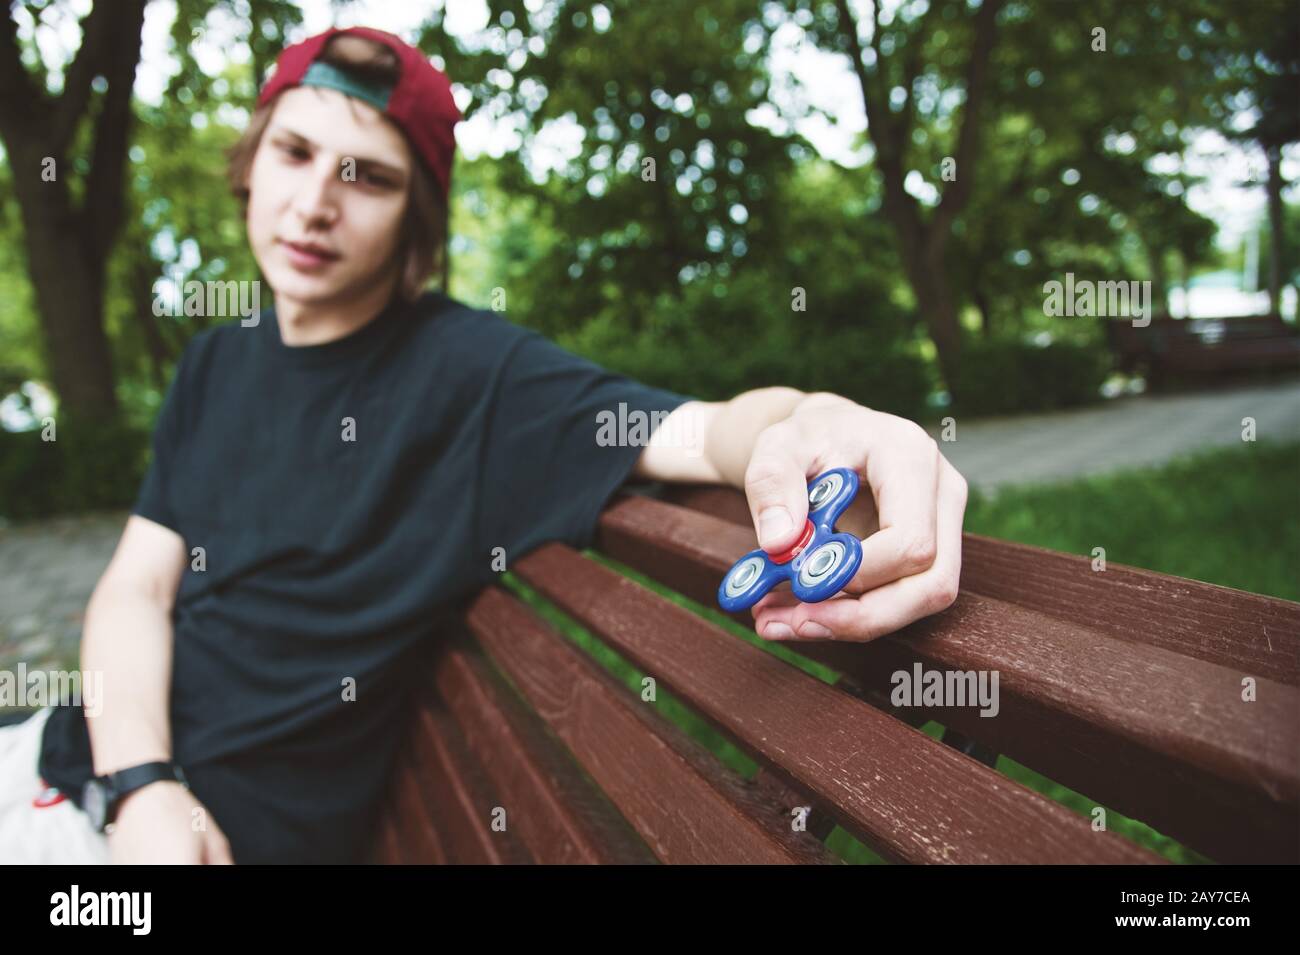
<point x="909" y="512"/>
<point x="156" y="825"/>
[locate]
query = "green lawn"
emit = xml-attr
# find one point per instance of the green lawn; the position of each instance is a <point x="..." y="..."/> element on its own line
<point x="1229" y="517"/>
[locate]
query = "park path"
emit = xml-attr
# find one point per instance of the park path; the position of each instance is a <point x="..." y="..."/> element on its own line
<point x="1129" y="432"/>
<point x="49" y="568"/>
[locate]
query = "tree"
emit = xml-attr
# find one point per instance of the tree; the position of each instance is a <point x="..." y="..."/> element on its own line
<point x="669" y="183"/>
<point x="1274" y="79"/>
<point x="69" y="236"/>
<point x="887" y="72"/>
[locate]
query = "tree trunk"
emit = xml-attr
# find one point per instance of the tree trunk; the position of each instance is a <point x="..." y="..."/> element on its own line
<point x="69" y="294"/>
<point x="1159" y="281"/>
<point x="923" y="241"/>
<point x="1277" y="241"/>
<point x="160" y="350"/>
<point x="68" y="246"/>
<point x="986" y="314"/>
<point x="936" y="302"/>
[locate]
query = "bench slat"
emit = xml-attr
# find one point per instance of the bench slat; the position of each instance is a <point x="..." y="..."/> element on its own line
<point x="387" y="849"/>
<point x="686" y="806"/>
<point x="1186" y="345"/>
<point x="412" y="833"/>
<point x="908" y="796"/>
<point x="1067" y="696"/>
<point x="1139" y="742"/>
<point x="454" y="792"/>
<point x="553" y="808"/>
<point x="1258" y="635"/>
<point x="786" y="797"/>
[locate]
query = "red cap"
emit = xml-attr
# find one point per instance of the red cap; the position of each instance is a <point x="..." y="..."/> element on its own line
<point x="421" y="103"/>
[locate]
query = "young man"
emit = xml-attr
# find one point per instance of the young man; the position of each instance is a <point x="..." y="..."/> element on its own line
<point x="329" y="483"/>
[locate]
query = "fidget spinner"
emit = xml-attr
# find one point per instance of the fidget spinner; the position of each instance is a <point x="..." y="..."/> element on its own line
<point x="818" y="564"/>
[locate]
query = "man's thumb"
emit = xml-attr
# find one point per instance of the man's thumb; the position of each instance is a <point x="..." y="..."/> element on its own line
<point x="778" y="501"/>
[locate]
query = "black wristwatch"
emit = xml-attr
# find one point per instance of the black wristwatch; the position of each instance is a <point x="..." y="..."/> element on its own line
<point x="101" y="795"/>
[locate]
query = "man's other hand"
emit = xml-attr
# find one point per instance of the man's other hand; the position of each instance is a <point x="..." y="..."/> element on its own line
<point x="158" y="825"/>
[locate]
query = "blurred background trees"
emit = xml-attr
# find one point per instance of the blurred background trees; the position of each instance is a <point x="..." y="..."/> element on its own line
<point x="656" y="206"/>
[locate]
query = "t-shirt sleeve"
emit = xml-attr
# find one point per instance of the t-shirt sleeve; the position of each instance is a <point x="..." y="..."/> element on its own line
<point x="548" y="467"/>
<point x="154" y="499"/>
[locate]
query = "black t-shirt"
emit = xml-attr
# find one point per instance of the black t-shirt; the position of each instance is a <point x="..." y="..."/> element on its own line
<point x="347" y="497"/>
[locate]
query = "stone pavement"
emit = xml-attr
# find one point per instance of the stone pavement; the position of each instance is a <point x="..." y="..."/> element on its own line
<point x="47" y="572"/>
<point x="49" y="568"/>
<point x="1128" y="432"/>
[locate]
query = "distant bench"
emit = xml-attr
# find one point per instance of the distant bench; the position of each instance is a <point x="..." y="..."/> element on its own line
<point x="1123" y="685"/>
<point x="1203" y="346"/>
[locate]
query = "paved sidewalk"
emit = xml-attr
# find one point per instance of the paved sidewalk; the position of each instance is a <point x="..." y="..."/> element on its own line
<point x="1124" y="433"/>
<point x="47" y="572"/>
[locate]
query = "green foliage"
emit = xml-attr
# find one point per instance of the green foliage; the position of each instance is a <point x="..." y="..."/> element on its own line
<point x="853" y="363"/>
<point x="89" y="466"/>
<point x="685" y="280"/>
<point x="1001" y="376"/>
<point x="668" y="84"/>
<point x="21" y="354"/>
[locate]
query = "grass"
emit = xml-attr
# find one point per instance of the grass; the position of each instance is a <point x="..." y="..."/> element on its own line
<point x="1229" y="517"/>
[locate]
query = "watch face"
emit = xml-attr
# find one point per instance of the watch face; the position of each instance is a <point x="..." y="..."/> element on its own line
<point x="94" y="800"/>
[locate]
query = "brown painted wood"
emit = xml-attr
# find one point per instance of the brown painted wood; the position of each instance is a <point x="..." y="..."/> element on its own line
<point x="385" y="849"/>
<point x="414" y="835"/>
<point x="1155" y="732"/>
<point x="723" y="502"/>
<point x="1179" y="345"/>
<point x="1135" y="726"/>
<point x="391" y="853"/>
<point x="1258" y="635"/>
<point x="787" y="798"/>
<point x="453" y="791"/>
<point x="557" y="813"/>
<point x="908" y="796"/>
<point x="687" y="807"/>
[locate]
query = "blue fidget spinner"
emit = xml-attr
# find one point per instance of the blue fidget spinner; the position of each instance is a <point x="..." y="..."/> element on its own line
<point x="818" y="564"/>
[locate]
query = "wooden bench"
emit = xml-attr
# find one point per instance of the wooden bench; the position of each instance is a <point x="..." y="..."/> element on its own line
<point x="1124" y="685"/>
<point x="1204" y="346"/>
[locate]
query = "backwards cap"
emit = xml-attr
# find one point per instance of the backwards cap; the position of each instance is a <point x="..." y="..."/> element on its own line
<point x="421" y="103"/>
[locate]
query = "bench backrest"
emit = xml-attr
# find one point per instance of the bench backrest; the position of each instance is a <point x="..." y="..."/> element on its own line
<point x="1126" y="686"/>
<point x="1165" y="336"/>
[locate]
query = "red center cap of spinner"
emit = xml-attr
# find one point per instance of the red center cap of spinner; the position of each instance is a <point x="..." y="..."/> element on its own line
<point x="796" y="548"/>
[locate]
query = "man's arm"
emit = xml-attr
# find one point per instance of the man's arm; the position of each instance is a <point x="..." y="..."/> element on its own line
<point x="128" y="640"/>
<point x="710" y="442"/>
<point x="770" y="441"/>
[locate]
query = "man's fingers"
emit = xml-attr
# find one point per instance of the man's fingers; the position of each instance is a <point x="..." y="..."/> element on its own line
<point x="774" y="598"/>
<point x="906" y="544"/>
<point x="860" y="518"/>
<point x="890" y="607"/>
<point x="776" y="486"/>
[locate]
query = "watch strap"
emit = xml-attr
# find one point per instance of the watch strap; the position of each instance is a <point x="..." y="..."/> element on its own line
<point x="120" y="784"/>
<point x="128" y="780"/>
